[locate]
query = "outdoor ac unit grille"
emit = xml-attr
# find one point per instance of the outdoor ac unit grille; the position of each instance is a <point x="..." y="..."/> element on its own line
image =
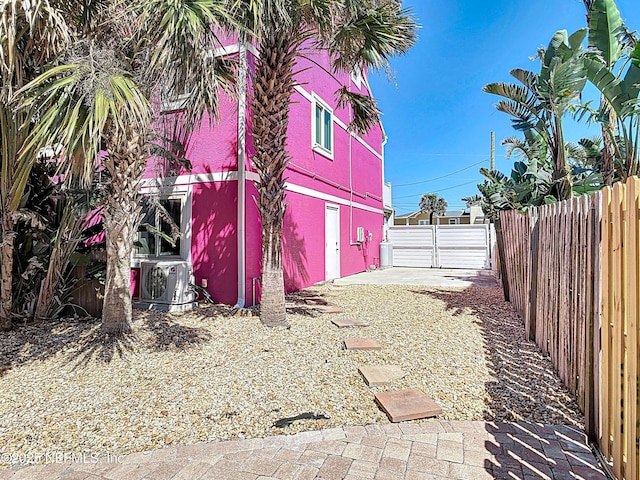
<point x="165" y="282"/>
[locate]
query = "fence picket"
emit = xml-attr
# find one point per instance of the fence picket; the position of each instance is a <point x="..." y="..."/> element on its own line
<point x="631" y="258"/>
<point x="607" y="310"/>
<point x="617" y="327"/>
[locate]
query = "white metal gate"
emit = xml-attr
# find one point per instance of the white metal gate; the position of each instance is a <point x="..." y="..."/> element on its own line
<point x="413" y="246"/>
<point x="444" y="246"/>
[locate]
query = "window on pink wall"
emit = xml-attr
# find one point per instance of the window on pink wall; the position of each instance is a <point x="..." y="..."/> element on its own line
<point x="322" y="127"/>
<point x="154" y="238"/>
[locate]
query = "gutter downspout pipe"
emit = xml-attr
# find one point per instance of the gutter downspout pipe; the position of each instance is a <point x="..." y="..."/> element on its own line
<point x="242" y="127"/>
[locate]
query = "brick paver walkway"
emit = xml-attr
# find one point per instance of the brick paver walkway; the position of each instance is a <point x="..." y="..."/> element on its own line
<point x="423" y="451"/>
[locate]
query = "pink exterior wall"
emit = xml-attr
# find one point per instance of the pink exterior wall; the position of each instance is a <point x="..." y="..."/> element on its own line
<point x="354" y="173"/>
<point x="353" y="168"/>
<point x="214" y="248"/>
<point x="210" y="149"/>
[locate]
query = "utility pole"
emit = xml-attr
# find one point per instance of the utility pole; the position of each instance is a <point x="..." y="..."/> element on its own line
<point x="493" y="150"/>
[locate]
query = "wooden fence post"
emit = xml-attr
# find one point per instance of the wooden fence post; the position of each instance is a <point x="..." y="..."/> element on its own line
<point x="503" y="259"/>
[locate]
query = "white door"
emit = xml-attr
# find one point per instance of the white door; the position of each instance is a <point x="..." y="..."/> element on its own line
<point x="332" y="242"/>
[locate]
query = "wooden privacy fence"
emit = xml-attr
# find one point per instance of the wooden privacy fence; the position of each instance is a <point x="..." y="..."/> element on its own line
<point x="569" y="268"/>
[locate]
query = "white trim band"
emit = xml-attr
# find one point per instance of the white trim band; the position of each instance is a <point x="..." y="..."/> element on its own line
<point x="330" y="198"/>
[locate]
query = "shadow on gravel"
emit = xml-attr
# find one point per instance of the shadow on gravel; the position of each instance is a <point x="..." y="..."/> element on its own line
<point x="82" y="341"/>
<point x="39" y="341"/>
<point x="168" y="334"/>
<point x="101" y="347"/>
<point x="525" y="388"/>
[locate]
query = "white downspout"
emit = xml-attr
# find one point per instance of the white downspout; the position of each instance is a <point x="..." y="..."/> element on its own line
<point x="242" y="122"/>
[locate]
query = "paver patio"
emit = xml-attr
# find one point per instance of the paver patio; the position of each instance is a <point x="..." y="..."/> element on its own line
<point x="432" y="450"/>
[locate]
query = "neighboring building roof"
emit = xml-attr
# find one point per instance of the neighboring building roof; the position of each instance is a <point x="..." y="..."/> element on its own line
<point x="454" y="213"/>
<point x="409" y="215"/>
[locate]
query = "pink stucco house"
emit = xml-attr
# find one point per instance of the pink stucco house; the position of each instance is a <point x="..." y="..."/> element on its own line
<point x="335" y="214"/>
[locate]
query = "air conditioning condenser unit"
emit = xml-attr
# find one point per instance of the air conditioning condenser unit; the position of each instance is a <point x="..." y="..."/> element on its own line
<point x="164" y="285"/>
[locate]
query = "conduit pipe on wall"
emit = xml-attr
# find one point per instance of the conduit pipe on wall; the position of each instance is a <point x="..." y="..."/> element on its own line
<point x="384" y="143"/>
<point x="242" y="123"/>
<point x="322" y="179"/>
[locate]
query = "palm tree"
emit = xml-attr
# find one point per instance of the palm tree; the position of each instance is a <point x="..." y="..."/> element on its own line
<point x="541" y="100"/>
<point x="357" y="34"/>
<point x="99" y="103"/>
<point x="31" y="35"/>
<point x="432" y="203"/>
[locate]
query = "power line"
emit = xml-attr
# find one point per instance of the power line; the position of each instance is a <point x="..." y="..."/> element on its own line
<point x="443" y="176"/>
<point x="456" y="155"/>
<point x="435" y="191"/>
<point x="456" y="186"/>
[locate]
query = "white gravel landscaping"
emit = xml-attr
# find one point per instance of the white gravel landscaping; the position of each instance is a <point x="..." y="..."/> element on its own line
<point x="210" y="374"/>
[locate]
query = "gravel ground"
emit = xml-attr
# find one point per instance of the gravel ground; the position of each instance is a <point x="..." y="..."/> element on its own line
<point x="213" y="374"/>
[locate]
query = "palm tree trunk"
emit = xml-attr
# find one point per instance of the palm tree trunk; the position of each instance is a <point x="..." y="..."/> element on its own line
<point x="121" y="219"/>
<point x="273" y="87"/>
<point x="116" y="311"/>
<point x="6" y="273"/>
<point x="272" y="303"/>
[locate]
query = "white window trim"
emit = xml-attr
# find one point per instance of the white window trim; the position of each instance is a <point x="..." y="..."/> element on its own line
<point x="357" y="78"/>
<point x="316" y="100"/>
<point x="454" y="221"/>
<point x="424" y="222"/>
<point x="184" y="194"/>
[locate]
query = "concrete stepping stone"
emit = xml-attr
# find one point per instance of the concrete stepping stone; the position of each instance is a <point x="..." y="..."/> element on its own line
<point x="348" y="322"/>
<point x="362" y="344"/>
<point x="328" y="309"/>
<point x="411" y="404"/>
<point x="378" y="375"/>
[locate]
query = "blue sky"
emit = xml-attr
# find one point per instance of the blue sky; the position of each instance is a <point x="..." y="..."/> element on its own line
<point x="435" y="114"/>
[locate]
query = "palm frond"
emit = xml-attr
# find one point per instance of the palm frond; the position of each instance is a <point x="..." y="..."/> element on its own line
<point x="79" y="106"/>
<point x="183" y="37"/>
<point x="364" y="108"/>
<point x="31" y="34"/>
<point x="371" y="36"/>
